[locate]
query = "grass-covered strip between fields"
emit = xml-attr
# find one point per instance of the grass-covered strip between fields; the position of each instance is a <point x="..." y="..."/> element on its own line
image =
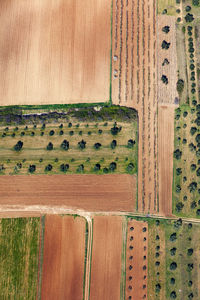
<point x="186" y="182"/>
<point x="173" y="259"/>
<point x="92" y="147"/>
<point x="19" y="250"/>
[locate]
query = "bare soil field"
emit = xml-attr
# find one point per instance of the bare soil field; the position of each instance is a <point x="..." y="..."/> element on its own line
<point x="63" y="260"/>
<point x="134" y="81"/>
<point x="106" y="258"/>
<point x="137" y="260"/>
<point x="167" y="60"/>
<point x="54" y="51"/>
<point x="87" y="192"/>
<point x="165" y="157"/>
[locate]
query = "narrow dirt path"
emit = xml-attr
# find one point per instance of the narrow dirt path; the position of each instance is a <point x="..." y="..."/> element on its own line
<point x="88" y="259"/>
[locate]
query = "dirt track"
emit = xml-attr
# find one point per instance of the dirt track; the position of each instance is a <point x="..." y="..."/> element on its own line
<point x="136" y="265"/>
<point x="106" y="258"/>
<point x="54" y="51"/>
<point x="165" y="157"/>
<point x="134" y="84"/>
<point x="63" y="262"/>
<point x="87" y="192"/>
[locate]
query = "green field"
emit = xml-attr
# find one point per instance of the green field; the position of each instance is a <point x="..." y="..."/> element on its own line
<point x="19" y="254"/>
<point x="34" y="151"/>
<point x="186" y="183"/>
<point x="167" y="4"/>
<point x="108" y="138"/>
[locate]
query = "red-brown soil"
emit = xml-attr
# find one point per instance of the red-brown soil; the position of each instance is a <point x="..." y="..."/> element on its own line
<point x="106" y="258"/>
<point x="63" y="260"/>
<point x="88" y="192"/>
<point x="134" y="84"/>
<point x="137" y="260"/>
<point x="165" y="157"/>
<point x="54" y="51"/>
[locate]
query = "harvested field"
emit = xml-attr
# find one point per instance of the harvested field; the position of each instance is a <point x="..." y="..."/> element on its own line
<point x="87" y="192"/>
<point x="63" y="260"/>
<point x="61" y="49"/>
<point x="19" y="257"/>
<point x="137" y="260"/>
<point x="165" y="157"/>
<point x="167" y="61"/>
<point x="134" y="81"/>
<point x="106" y="258"/>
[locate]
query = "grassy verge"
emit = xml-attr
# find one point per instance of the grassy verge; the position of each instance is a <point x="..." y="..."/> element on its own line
<point x="86" y="249"/>
<point x="123" y="260"/>
<point x="19" y="250"/>
<point x="41" y="257"/>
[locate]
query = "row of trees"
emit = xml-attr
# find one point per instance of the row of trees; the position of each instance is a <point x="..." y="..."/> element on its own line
<point x="65" y="145"/>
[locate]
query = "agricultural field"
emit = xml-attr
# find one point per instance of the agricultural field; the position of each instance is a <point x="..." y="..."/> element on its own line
<point x="55" y="51"/>
<point x="186" y="189"/>
<point x="106" y="258"/>
<point x="134" y="84"/>
<point x="111" y="192"/>
<point x="136" y="260"/>
<point x="49" y="147"/>
<point x="172" y="252"/>
<point x="19" y="257"/>
<point x="63" y="270"/>
<point x="165" y="158"/>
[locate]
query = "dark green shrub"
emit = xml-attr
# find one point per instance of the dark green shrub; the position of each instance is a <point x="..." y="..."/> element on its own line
<point x="190" y="267"/>
<point x="130" y="168"/>
<point x="115" y="130"/>
<point x="172" y="280"/>
<point x="112" y="166"/>
<point x="173" y="266"/>
<point x="71" y="133"/>
<point x="166" y="29"/>
<point x="65" y="145"/>
<point x="180" y="85"/>
<point x="177" y="154"/>
<point x="192" y="187"/>
<point x="173" y="237"/>
<point x="193" y="167"/>
<point x="48" y="168"/>
<point x="18" y="146"/>
<point x="97" y="167"/>
<point x="130" y="143"/>
<point x="32" y="168"/>
<point x="189" y="17"/>
<point x="97" y="146"/>
<point x="51" y="132"/>
<point x="64" y="167"/>
<point x="173" y="295"/>
<point x="80" y="169"/>
<point x="193" y="205"/>
<point x="193" y="130"/>
<point x="50" y="146"/>
<point x="82" y="144"/>
<point x="105" y="170"/>
<point x="164" y="79"/>
<point x="173" y="251"/>
<point x="61" y="132"/>
<point x="113" y="144"/>
<point x="190" y="252"/>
